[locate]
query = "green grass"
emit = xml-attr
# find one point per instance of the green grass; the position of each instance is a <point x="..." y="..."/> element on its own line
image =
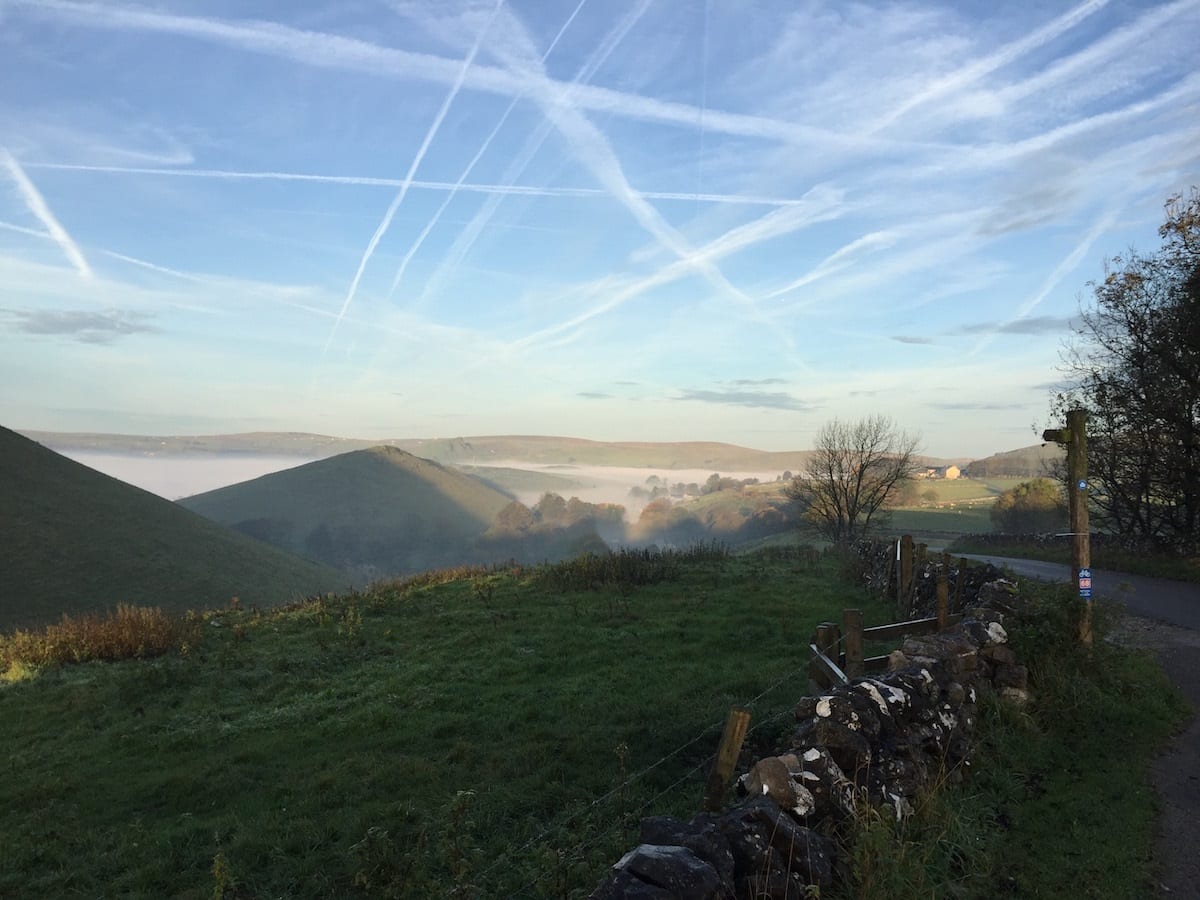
<point x="1060" y="803"/>
<point x="500" y="733"/>
<point x="493" y="732"/>
<point x="77" y="541"/>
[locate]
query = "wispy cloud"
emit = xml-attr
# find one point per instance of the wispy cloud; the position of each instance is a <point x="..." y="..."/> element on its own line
<point x="322" y="50"/>
<point x="37" y="206"/>
<point x="757" y="382"/>
<point x="982" y="406"/>
<point x="87" y="326"/>
<point x="1030" y="325"/>
<point x="957" y="80"/>
<point x="753" y="399"/>
<point x="911" y="339"/>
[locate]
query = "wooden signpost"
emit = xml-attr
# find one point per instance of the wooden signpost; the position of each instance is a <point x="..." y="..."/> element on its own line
<point x="1074" y="437"/>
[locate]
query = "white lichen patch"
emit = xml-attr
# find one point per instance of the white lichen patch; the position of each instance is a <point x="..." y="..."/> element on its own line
<point x="805" y="801"/>
<point x="871" y="691"/>
<point x="996" y="633"/>
<point x="824" y="707"/>
<point x="812" y="755"/>
<point x="925" y="675"/>
<point x="894" y="694"/>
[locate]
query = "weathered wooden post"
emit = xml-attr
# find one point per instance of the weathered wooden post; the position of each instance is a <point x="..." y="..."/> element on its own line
<point x="852" y="627"/>
<point x="943" y="598"/>
<point x="727" y="755"/>
<point x="1074" y="437"/>
<point x="906" y="574"/>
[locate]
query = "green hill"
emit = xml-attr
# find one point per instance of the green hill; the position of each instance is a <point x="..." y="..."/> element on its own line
<point x="1027" y="462"/>
<point x="371" y="512"/>
<point x="75" y="540"/>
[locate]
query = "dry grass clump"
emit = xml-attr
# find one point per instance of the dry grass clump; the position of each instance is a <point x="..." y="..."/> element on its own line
<point x="128" y="632"/>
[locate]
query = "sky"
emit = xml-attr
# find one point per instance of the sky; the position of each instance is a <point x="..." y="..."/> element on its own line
<point x="728" y="220"/>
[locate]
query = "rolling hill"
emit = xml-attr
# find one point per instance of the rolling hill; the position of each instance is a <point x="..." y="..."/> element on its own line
<point x="458" y="451"/>
<point x="75" y="540"/>
<point x="1027" y="462"/>
<point x="372" y="512"/>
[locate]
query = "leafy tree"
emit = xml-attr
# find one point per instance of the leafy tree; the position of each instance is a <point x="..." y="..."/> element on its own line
<point x="929" y="495"/>
<point x="551" y="509"/>
<point x="1031" y="506"/>
<point x="854" y="468"/>
<point x="515" y="518"/>
<point x="1134" y="366"/>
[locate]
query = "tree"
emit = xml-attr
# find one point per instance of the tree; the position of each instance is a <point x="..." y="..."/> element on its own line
<point x="1134" y="365"/>
<point x="854" y="468"/>
<point x="1031" y="506"/>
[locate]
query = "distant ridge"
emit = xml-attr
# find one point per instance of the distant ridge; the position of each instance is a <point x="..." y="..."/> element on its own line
<point x="75" y="540"/>
<point x="374" y="512"/>
<point x="1027" y="462"/>
<point x="466" y="451"/>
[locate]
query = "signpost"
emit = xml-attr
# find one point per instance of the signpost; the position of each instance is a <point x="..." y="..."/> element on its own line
<point x="1074" y="437"/>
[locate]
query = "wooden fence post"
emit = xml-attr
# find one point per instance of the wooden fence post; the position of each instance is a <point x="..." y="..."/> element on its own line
<point x="852" y="623"/>
<point x="906" y="573"/>
<point x="727" y="756"/>
<point x="943" y="598"/>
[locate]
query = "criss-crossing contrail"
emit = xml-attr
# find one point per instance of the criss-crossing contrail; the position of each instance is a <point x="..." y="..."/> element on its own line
<point x="470" y="167"/>
<point x="412" y="170"/>
<point x="521" y="190"/>
<point x="37" y="205"/>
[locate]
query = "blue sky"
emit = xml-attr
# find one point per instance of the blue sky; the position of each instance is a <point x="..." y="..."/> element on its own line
<point x="612" y="219"/>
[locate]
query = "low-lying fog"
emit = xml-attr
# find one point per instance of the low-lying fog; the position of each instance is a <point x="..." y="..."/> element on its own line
<point x="174" y="477"/>
<point x="611" y="484"/>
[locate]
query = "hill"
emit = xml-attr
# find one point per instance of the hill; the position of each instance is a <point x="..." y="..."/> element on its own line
<point x="1027" y="462"/>
<point x="75" y="540"/>
<point x="459" y="451"/>
<point x="371" y="512"/>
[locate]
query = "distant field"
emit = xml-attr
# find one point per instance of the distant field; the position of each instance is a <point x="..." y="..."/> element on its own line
<point x="961" y="520"/>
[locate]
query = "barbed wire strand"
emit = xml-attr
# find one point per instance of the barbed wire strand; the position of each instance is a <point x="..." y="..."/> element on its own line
<point x="706" y="762"/>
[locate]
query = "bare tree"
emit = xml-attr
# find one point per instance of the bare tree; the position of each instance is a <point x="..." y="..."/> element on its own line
<point x="854" y="468"/>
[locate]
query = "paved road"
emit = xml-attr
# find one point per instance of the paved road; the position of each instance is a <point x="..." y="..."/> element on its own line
<point x="1176" y="774"/>
<point x="1174" y="602"/>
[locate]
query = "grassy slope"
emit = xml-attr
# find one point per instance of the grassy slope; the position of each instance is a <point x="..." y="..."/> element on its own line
<point x="381" y="495"/>
<point x="322" y="752"/>
<point x="502" y="736"/>
<point x="77" y="540"/>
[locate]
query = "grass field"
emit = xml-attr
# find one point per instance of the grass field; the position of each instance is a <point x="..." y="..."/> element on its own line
<point x="402" y="742"/>
<point x="500" y="735"/>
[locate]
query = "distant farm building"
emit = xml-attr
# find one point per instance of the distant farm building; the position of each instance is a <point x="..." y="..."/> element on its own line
<point x="947" y="472"/>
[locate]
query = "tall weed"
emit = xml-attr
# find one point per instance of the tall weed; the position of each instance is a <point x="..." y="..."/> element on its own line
<point x="129" y="632"/>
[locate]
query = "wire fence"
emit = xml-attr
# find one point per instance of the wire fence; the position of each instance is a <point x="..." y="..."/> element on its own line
<point x="623" y="819"/>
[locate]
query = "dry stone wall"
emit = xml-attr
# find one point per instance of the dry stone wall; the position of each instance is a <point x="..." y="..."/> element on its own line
<point x="876" y="742"/>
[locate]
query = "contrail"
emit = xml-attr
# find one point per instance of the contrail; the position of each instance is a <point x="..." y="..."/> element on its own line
<point x="412" y="169"/>
<point x="37" y="206"/>
<point x="594" y="151"/>
<point x="321" y="50"/>
<point x="416" y="184"/>
<point x="468" y="236"/>
<point x="1060" y="271"/>
<point x="821" y="204"/>
<point x="487" y="142"/>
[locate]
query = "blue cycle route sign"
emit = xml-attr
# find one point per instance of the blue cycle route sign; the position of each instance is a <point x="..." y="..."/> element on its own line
<point x="1082" y="484"/>
<point x="1085" y="584"/>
